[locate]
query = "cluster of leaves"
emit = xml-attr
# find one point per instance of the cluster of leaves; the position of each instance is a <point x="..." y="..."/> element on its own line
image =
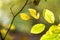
<point x="54" y="31"/>
<point x="52" y="34"/>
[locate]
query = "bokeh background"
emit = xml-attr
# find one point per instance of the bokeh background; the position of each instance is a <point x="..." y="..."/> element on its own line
<point x="21" y="29"/>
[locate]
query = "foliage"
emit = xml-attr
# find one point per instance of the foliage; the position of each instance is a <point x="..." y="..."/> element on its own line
<point x="38" y="28"/>
<point x="34" y="14"/>
<point x="48" y="16"/>
<point x="24" y="16"/>
<point x="30" y="17"/>
<point x="52" y="34"/>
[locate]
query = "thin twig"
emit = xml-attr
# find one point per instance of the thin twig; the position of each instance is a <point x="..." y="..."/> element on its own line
<point x="14" y="18"/>
<point x="11" y="9"/>
<point x="21" y="8"/>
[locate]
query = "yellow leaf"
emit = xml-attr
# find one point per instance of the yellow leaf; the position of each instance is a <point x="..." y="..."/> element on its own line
<point x="3" y="31"/>
<point x="52" y="34"/>
<point x="34" y="14"/>
<point x="48" y="16"/>
<point x="12" y="27"/>
<point x="38" y="28"/>
<point x="54" y="29"/>
<point x="24" y="16"/>
<point x="59" y="24"/>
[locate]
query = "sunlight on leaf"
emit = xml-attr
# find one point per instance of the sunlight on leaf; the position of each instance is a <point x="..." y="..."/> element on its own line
<point x="49" y="37"/>
<point x="12" y="27"/>
<point x="59" y="24"/>
<point x="3" y="31"/>
<point x="52" y="34"/>
<point x="34" y="14"/>
<point x="55" y="29"/>
<point x="48" y="16"/>
<point x="24" y="16"/>
<point x="37" y="28"/>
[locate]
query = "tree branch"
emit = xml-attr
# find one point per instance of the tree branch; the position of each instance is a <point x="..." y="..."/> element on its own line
<point x="11" y="9"/>
<point x="1" y="36"/>
<point x="14" y="18"/>
<point x="21" y="9"/>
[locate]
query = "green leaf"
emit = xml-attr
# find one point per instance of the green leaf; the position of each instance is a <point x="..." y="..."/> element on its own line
<point x="48" y="16"/>
<point x="49" y="37"/>
<point x="52" y="34"/>
<point x="24" y="16"/>
<point x="55" y="29"/>
<point x="34" y="13"/>
<point x="38" y="28"/>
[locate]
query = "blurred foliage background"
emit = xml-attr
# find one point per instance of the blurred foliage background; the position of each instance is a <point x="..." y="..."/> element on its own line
<point x="21" y="29"/>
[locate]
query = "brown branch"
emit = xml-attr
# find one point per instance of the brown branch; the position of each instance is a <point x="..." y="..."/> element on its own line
<point x="15" y="17"/>
<point x="11" y="9"/>
<point x="1" y="36"/>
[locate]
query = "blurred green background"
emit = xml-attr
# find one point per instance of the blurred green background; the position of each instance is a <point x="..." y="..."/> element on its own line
<point x="21" y="29"/>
